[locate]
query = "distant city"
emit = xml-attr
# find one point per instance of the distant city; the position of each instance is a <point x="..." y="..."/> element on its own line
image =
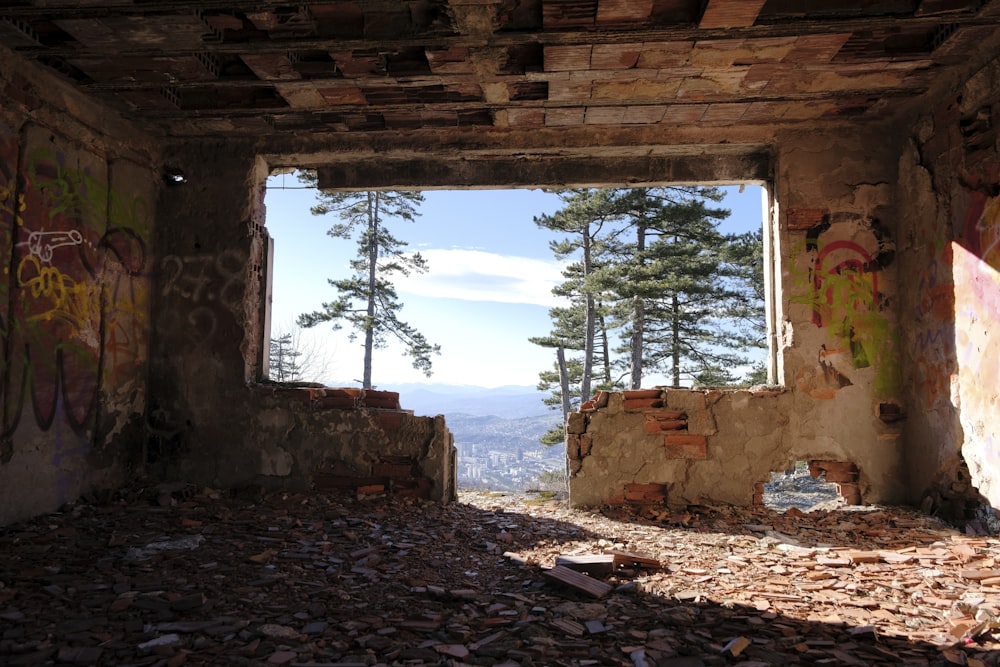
<point x="505" y="454"/>
<point x="497" y="434"/>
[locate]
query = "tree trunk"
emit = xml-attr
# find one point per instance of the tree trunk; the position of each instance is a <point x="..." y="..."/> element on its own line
<point x="605" y="351"/>
<point x="638" y="331"/>
<point x="372" y="266"/>
<point x="563" y="382"/>
<point x="675" y="343"/>
<point x="588" y="345"/>
<point x="638" y="318"/>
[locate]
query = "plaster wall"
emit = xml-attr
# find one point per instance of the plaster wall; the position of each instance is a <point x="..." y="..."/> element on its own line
<point x="949" y="198"/>
<point x="77" y="200"/>
<point x="837" y="341"/>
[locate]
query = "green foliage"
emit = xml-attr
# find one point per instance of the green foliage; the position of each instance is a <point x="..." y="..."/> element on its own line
<point x="284" y="359"/>
<point x="654" y="273"/>
<point x="367" y="300"/>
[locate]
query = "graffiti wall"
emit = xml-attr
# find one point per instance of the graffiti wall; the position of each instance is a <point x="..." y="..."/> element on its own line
<point x="839" y="275"/>
<point x="74" y="309"/>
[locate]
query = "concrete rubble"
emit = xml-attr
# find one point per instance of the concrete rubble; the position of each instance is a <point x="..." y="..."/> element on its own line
<point x="334" y="580"/>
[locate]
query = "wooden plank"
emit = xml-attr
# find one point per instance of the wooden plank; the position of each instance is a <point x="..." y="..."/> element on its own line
<point x="634" y="559"/>
<point x="596" y="565"/>
<point x="578" y="581"/>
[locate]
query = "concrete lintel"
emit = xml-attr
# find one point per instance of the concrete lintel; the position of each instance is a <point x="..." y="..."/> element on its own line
<point x="544" y="171"/>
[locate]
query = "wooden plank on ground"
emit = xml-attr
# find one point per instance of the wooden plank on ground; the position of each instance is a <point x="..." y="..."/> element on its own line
<point x="578" y="581"/>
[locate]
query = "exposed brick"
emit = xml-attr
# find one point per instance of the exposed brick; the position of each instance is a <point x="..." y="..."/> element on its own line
<point x="643" y="393"/>
<point x="685" y="446"/>
<point x="804" y="219"/>
<point x="851" y="493"/>
<point x="586" y="444"/>
<point x="637" y="404"/>
<point x="575" y="467"/>
<point x="837" y="468"/>
<point x="841" y="476"/>
<point x="656" y="424"/>
<point x="601" y="399"/>
<point x="381" y="399"/>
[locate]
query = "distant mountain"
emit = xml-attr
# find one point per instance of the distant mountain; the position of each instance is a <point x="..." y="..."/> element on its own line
<point x="502" y="402"/>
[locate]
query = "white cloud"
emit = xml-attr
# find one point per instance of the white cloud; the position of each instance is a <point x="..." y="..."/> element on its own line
<point x="475" y="275"/>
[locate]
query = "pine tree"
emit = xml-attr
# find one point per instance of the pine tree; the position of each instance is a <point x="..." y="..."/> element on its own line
<point x="583" y="217"/>
<point x="367" y="301"/>
<point x="284" y="359"/>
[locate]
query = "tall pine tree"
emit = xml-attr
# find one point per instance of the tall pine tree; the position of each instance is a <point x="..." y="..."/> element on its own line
<point x="367" y="301"/>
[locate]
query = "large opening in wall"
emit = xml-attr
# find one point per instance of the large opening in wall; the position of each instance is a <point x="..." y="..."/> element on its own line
<point x="503" y="297"/>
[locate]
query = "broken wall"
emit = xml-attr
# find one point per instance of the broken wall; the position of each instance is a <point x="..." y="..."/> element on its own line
<point x="77" y="199"/>
<point x="212" y="422"/>
<point x="949" y="200"/>
<point x="837" y="332"/>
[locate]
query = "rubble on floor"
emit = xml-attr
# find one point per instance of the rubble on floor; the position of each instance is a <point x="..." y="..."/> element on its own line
<point x="192" y="577"/>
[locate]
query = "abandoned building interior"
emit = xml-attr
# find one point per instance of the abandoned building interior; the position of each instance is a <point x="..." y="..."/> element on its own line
<point x="136" y="139"/>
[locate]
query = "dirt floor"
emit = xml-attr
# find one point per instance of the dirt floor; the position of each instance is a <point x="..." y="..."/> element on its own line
<point x="177" y="575"/>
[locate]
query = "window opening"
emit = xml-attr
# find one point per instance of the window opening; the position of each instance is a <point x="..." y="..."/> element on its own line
<point x="488" y="291"/>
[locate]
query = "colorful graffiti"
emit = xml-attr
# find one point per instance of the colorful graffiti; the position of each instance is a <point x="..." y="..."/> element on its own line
<point x="74" y="252"/>
<point x="848" y="255"/>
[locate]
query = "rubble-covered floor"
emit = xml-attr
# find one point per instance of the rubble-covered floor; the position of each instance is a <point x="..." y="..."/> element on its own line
<point x="184" y="576"/>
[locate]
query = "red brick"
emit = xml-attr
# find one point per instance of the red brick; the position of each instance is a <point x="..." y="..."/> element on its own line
<point x="686" y="446"/>
<point x="576" y="423"/>
<point x="636" y="404"/>
<point x="586" y="443"/>
<point x="839" y="476"/>
<point x="804" y="219"/>
<point x="381" y="399"/>
<point x="642" y="393"/>
<point x="601" y="399"/>
<point x="850" y="492"/>
<point x="656" y="424"/>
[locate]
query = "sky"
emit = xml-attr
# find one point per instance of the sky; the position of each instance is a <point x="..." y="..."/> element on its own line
<point x="488" y="290"/>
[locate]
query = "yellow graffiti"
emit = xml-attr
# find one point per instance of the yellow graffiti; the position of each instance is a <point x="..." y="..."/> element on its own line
<point x="71" y="302"/>
<point x="9" y="205"/>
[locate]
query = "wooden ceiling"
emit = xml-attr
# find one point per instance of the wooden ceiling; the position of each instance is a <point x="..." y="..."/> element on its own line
<point x="267" y="68"/>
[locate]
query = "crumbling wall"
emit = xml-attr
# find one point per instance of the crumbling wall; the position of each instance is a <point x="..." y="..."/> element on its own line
<point x="682" y="446"/>
<point x="211" y="422"/>
<point x="77" y="193"/>
<point x="349" y="440"/>
<point x="949" y="198"/>
<point x="837" y="328"/>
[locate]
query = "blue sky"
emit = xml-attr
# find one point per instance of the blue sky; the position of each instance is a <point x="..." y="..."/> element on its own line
<point x="488" y="289"/>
